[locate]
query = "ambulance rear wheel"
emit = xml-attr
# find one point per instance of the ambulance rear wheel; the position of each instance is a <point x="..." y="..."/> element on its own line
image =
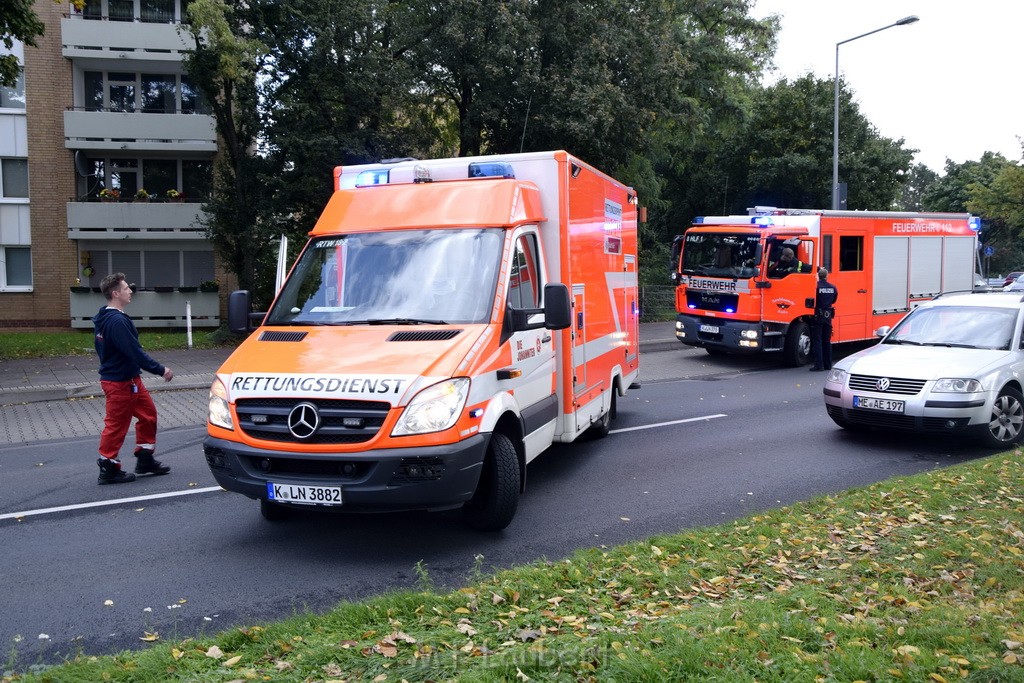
<point x="798" y="344"/>
<point x="604" y="425"/>
<point x="272" y="512"/>
<point x="494" y="503"/>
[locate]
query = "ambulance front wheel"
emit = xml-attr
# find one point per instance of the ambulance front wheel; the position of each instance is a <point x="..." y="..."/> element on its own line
<point x="494" y="503"/>
<point x="798" y="344"/>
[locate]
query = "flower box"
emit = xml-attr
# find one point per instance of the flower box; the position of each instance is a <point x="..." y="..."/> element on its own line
<point x="163" y="289"/>
<point x="80" y="290"/>
<point x="188" y="289"/>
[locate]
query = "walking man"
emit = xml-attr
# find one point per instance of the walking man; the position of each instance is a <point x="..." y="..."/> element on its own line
<point x="821" y="325"/>
<point x="121" y="362"/>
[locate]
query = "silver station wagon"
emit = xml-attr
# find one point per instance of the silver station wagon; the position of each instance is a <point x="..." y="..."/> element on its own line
<point x="953" y="364"/>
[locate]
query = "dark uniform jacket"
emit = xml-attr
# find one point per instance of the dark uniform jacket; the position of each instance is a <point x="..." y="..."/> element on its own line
<point x="825" y="299"/>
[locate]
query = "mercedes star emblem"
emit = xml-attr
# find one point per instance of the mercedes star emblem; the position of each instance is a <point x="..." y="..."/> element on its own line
<point x="303" y="421"/>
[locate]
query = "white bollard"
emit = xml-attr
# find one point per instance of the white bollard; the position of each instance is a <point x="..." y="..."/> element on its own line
<point x="188" y="321"/>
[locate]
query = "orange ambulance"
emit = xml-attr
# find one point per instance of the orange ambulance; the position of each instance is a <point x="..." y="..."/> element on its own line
<point x="732" y="296"/>
<point x="446" y="322"/>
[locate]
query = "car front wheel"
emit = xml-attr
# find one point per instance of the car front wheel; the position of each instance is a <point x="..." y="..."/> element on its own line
<point x="1006" y="423"/>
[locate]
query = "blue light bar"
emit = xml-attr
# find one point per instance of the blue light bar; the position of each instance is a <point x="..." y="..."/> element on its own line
<point x="974" y="223"/>
<point x="375" y="177"/>
<point x="491" y="169"/>
<point x="763" y="221"/>
<point x="698" y="220"/>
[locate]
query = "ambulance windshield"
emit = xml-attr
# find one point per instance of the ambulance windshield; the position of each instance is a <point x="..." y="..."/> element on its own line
<point x="720" y="255"/>
<point x="393" y="277"/>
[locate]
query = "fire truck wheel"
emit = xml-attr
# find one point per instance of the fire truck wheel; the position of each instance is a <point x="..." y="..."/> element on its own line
<point x="798" y="344"/>
<point x="494" y="504"/>
<point x="272" y="512"/>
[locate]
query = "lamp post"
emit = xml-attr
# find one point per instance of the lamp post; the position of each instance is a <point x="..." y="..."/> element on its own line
<point x="835" y="115"/>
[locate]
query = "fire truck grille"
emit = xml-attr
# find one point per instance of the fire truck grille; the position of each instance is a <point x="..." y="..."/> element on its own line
<point x="712" y="301"/>
<point x="908" y="387"/>
<point x="341" y="421"/>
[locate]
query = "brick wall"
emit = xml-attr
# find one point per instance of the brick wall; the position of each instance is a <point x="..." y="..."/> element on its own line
<point x="51" y="183"/>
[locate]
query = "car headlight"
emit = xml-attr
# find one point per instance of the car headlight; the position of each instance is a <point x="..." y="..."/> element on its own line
<point x="219" y="410"/>
<point x="957" y="385"/>
<point x="434" y="409"/>
<point x="836" y="376"/>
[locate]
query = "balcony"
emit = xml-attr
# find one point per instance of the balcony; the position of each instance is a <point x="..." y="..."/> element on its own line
<point x="92" y="42"/>
<point x="126" y="131"/>
<point x="152" y="309"/>
<point x="135" y="220"/>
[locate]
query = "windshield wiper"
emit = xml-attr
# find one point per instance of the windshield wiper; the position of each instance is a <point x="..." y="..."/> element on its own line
<point x="904" y="341"/>
<point x="403" y="321"/>
<point x="951" y="345"/>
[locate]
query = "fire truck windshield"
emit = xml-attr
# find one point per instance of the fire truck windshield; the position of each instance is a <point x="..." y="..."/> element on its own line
<point x="721" y="255"/>
<point x="395" y="277"/>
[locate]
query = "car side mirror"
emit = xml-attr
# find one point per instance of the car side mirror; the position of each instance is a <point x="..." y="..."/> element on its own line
<point x="882" y="331"/>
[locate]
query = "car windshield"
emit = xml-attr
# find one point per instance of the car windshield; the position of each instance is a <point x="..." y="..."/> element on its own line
<point x="393" y="277"/>
<point x="720" y="255"/>
<point x="973" y="327"/>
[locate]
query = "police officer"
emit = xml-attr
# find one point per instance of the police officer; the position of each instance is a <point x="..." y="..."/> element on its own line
<point x="821" y="325"/>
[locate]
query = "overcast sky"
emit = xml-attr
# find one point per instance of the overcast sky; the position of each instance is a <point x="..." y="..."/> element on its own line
<point x="950" y="84"/>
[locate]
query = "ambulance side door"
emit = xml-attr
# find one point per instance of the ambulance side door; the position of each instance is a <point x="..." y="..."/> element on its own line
<point x="533" y="355"/>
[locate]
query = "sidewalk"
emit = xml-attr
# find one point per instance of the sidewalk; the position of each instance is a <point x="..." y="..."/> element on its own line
<point x="65" y="377"/>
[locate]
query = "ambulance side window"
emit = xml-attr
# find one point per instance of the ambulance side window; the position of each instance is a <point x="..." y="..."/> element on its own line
<point x="524" y="285"/>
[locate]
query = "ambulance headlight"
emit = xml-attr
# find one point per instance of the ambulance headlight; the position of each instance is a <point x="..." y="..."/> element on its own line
<point x="434" y="409"/>
<point x="219" y="410"/>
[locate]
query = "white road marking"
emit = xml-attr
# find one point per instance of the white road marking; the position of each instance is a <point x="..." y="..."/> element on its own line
<point x="666" y="424"/>
<point x="103" y="503"/>
<point x="210" y="489"/>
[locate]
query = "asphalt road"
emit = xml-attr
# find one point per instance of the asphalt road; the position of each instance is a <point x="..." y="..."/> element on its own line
<point x="706" y="440"/>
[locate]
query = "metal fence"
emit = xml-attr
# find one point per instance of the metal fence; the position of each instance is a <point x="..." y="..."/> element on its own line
<point x="657" y="302"/>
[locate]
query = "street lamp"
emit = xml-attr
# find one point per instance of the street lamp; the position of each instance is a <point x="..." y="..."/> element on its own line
<point x="835" y="116"/>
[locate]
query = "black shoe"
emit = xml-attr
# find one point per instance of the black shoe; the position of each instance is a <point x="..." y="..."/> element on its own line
<point x="812" y="370"/>
<point x="147" y="464"/>
<point x="111" y="472"/>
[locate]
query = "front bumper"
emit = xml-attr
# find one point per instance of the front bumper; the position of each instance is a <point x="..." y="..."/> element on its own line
<point x="737" y="336"/>
<point x="427" y="478"/>
<point x="923" y="412"/>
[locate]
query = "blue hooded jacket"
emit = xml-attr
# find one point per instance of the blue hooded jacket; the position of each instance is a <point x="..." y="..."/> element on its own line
<point x="117" y="345"/>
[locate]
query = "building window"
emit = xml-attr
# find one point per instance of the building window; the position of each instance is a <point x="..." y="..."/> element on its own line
<point x="124" y="91"/>
<point x="13" y="98"/>
<point x="192" y="177"/>
<point x="13" y="178"/>
<point x="152" y="11"/>
<point x="154" y="267"/>
<point x="17" y="267"/>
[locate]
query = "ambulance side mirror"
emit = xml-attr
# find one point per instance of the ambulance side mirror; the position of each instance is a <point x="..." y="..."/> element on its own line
<point x="240" y="319"/>
<point x="557" y="306"/>
<point x="557" y="311"/>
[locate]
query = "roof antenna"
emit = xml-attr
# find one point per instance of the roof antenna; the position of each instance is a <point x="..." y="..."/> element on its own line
<point x="522" y="140"/>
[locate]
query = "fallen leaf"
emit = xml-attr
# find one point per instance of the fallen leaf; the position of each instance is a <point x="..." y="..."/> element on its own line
<point x="150" y="637"/>
<point x="108" y="603"/>
<point x="231" y="662"/>
<point x="214" y="652"/>
<point x="521" y="676"/>
<point x="176" y="653"/>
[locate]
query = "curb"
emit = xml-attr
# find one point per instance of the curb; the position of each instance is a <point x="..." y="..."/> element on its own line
<point x="9" y="397"/>
<point x="17" y="396"/>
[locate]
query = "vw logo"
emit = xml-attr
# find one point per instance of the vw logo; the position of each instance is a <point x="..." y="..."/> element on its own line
<point x="303" y="421"/>
<point x="882" y="384"/>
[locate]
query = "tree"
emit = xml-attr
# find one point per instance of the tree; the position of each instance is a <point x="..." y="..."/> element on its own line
<point x="950" y="192"/>
<point x="911" y="195"/>
<point x="17" y="22"/>
<point x="787" y="150"/>
<point x="225" y="65"/>
<point x="1001" y="206"/>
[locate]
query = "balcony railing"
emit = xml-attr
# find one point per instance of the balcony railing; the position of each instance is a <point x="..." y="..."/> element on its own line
<point x="129" y="39"/>
<point x="152" y="309"/>
<point x="170" y="219"/>
<point x="123" y="131"/>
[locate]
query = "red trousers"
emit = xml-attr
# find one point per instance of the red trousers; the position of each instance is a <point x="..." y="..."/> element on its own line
<point x="126" y="400"/>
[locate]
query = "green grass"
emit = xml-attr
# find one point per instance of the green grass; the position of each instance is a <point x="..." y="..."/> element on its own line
<point x="15" y="345"/>
<point x="916" y="578"/>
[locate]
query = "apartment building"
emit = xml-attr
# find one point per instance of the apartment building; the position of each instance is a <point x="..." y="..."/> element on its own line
<point x="106" y="155"/>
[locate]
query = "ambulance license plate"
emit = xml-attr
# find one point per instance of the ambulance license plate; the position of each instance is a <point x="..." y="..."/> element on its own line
<point x="305" y="495"/>
<point x="711" y="329"/>
<point x="883" y="404"/>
